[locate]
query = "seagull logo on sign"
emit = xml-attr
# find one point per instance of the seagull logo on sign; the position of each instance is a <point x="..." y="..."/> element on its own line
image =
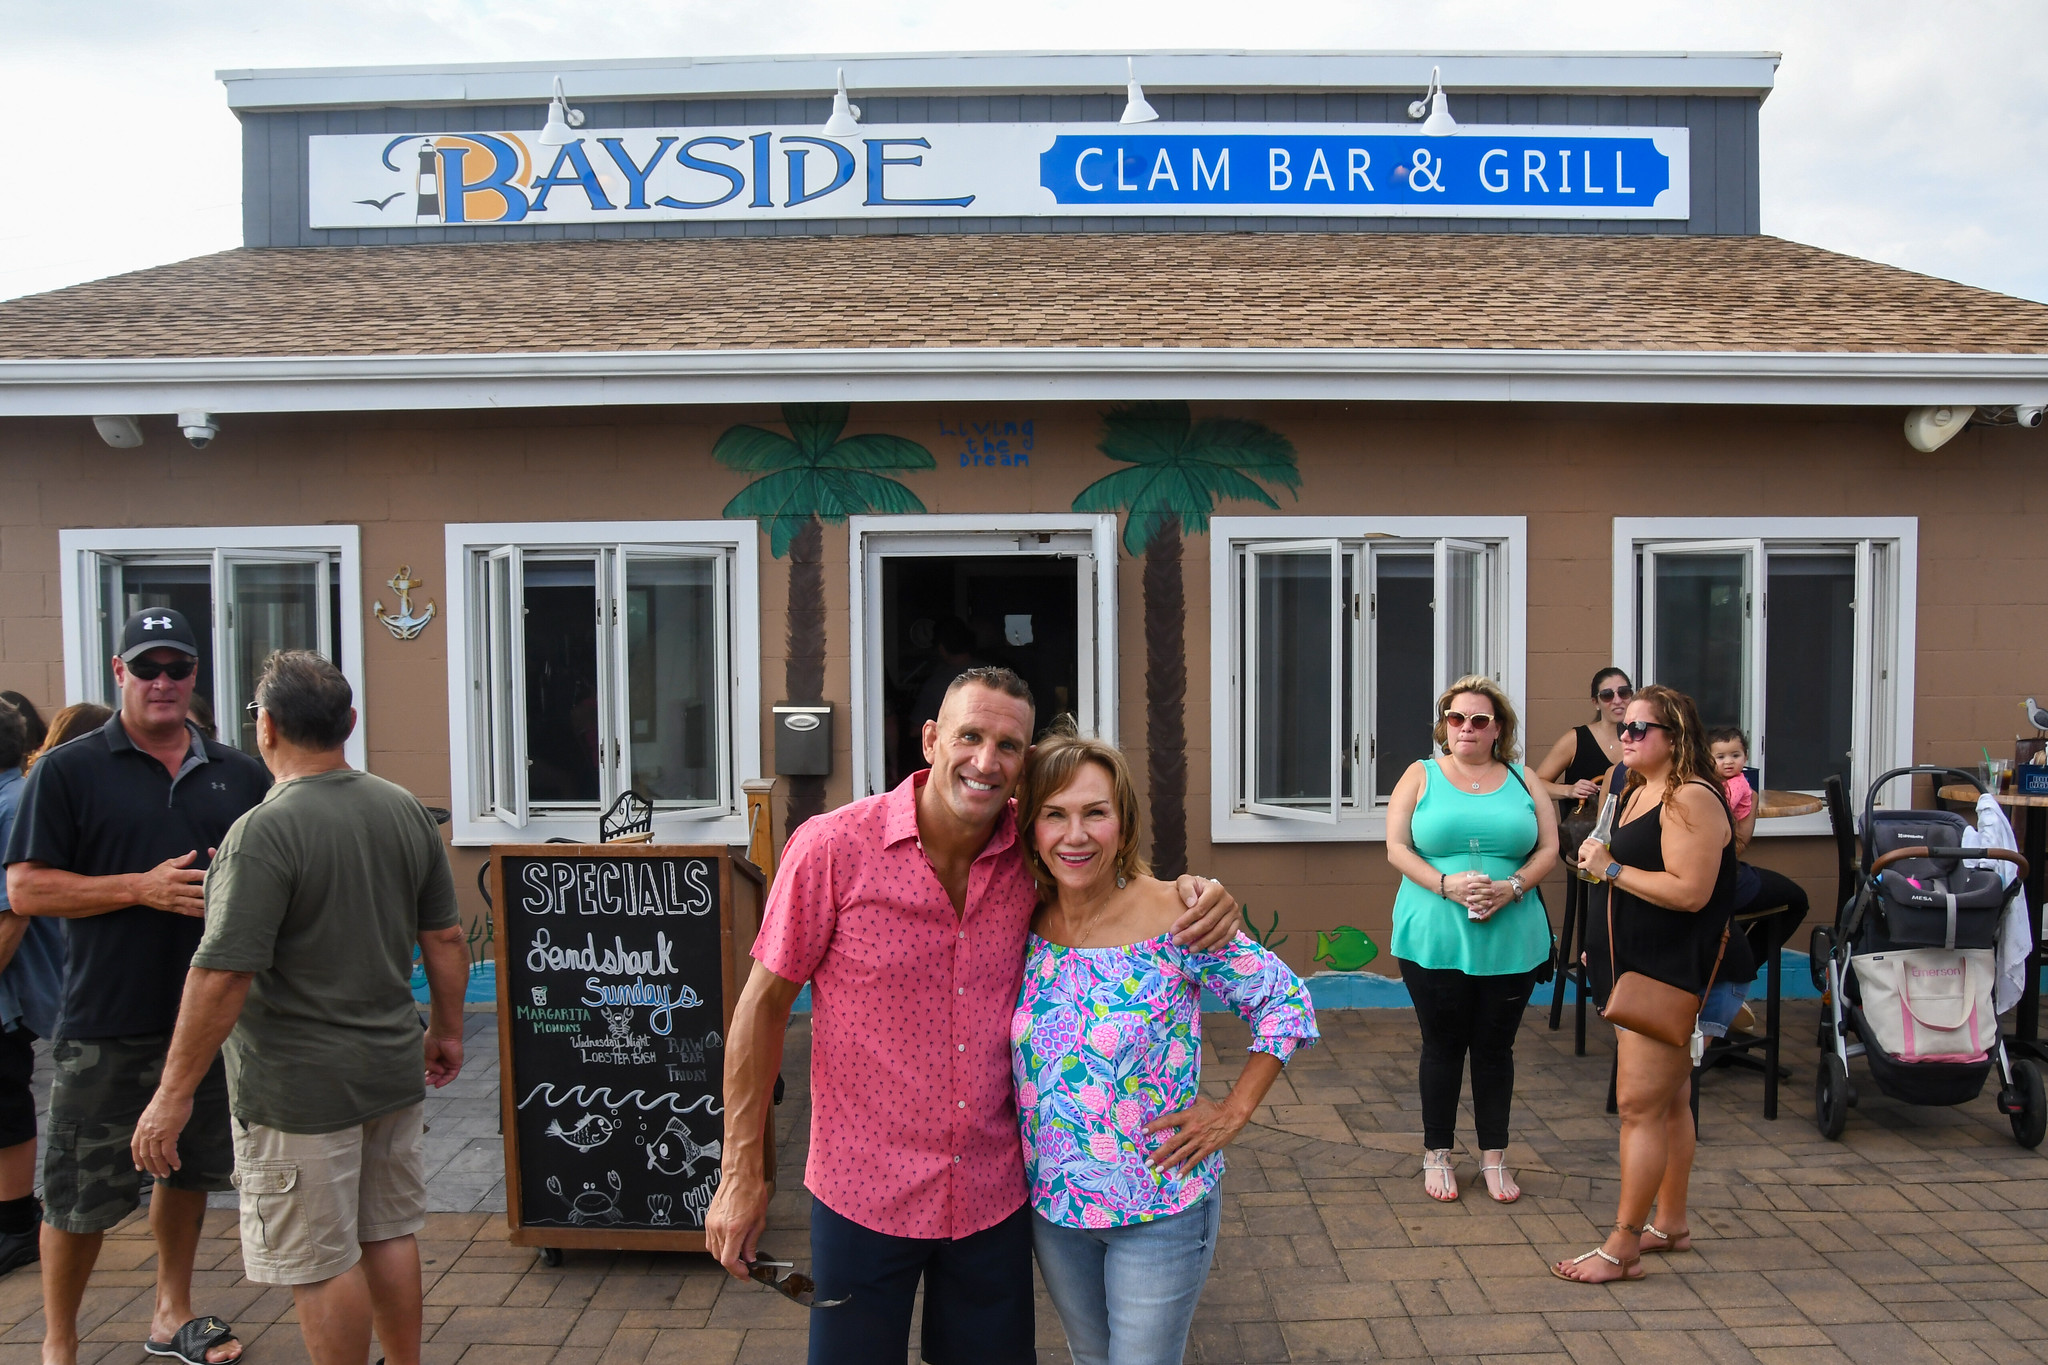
<point x="156" y="623"/>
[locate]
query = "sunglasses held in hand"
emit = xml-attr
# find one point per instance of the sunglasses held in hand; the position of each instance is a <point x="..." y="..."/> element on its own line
<point x="798" y="1289"/>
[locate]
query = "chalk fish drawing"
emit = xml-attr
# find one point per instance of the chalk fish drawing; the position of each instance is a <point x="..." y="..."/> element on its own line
<point x="592" y="1130"/>
<point x="673" y="1153"/>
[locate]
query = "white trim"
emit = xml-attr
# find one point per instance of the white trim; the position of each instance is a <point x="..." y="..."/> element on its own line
<point x="1227" y="826"/>
<point x="1100" y="527"/>
<point x="470" y="828"/>
<point x="85" y="388"/>
<point x="82" y="641"/>
<point x="1038" y="72"/>
<point x="1902" y="531"/>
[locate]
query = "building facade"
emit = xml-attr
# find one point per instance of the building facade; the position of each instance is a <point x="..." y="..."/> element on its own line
<point x="1240" y="432"/>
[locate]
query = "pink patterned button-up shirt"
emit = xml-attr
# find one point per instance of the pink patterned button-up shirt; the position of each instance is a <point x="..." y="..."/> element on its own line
<point x="913" y="1119"/>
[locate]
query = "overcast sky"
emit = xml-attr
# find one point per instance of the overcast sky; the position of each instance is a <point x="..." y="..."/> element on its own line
<point x="1908" y="132"/>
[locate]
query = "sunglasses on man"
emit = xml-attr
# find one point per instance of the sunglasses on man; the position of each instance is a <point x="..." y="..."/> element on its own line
<point x="1615" y="693"/>
<point x="149" y="670"/>
<point x="1638" y="729"/>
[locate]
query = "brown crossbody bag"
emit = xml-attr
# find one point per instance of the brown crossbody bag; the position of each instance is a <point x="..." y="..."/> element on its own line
<point x="1655" y="1009"/>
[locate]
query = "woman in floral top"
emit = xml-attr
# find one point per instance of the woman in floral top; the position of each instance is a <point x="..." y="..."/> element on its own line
<point x="1122" y="1148"/>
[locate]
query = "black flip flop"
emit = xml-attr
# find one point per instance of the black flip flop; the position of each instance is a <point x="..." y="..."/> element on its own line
<point x="193" y="1341"/>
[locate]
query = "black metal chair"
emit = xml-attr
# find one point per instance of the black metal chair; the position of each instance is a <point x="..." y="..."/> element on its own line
<point x="1571" y="942"/>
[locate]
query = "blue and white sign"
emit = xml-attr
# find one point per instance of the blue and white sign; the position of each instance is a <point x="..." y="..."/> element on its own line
<point x="998" y="170"/>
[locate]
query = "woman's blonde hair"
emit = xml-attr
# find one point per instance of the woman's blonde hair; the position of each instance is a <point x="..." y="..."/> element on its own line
<point x="1505" y="747"/>
<point x="1055" y="760"/>
<point x="81" y="717"/>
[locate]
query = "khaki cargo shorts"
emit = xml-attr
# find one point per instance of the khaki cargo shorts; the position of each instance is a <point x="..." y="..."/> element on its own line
<point x="309" y="1200"/>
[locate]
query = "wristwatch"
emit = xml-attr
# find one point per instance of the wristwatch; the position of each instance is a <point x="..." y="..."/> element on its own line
<point x="1613" y="871"/>
<point x="1516" y="882"/>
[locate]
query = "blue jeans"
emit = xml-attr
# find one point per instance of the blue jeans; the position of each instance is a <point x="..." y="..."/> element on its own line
<point x="1126" y="1295"/>
<point x="1724" y="1002"/>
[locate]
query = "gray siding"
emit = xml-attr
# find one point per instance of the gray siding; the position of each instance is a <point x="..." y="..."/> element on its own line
<point x="1724" y="159"/>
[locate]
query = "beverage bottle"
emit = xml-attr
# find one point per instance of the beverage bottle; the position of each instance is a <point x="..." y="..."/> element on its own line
<point x="1603" y="832"/>
<point x="1475" y="863"/>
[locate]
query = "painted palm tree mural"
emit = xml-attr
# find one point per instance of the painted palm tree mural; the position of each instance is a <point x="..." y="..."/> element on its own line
<point x="809" y="477"/>
<point x="1180" y="469"/>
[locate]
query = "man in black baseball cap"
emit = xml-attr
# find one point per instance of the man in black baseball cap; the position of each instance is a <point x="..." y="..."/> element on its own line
<point x="157" y="628"/>
<point x="114" y="834"/>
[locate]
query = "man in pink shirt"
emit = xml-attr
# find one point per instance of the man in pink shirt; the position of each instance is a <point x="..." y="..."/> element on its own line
<point x="907" y="913"/>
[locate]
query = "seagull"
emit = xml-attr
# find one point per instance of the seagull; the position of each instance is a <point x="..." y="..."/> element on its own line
<point x="2036" y="717"/>
<point x="380" y="203"/>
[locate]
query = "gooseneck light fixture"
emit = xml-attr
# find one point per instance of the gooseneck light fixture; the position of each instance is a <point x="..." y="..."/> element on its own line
<point x="1437" y="105"/>
<point x="1136" y="110"/>
<point x="845" y="120"/>
<point x="561" y="118"/>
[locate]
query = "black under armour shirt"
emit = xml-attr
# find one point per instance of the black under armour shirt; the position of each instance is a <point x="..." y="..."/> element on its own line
<point x="100" y="807"/>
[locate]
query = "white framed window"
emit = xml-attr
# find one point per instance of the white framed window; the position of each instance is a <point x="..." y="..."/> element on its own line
<point x="1797" y="629"/>
<point x="1330" y="639"/>
<point x="588" y="659"/>
<point x="245" y="590"/>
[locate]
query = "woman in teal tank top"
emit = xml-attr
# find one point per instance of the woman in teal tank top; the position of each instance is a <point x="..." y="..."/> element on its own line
<point x="1470" y="938"/>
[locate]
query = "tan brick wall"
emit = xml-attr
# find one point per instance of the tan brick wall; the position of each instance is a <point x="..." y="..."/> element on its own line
<point x="1983" y="567"/>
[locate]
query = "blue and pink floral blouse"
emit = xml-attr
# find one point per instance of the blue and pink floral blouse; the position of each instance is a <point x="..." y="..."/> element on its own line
<point x="1105" y="1040"/>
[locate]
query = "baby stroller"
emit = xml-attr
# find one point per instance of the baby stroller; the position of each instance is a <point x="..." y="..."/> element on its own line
<point x="1922" y="932"/>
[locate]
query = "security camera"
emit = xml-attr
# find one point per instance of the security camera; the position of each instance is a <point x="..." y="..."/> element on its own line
<point x="2027" y="414"/>
<point x="199" y="428"/>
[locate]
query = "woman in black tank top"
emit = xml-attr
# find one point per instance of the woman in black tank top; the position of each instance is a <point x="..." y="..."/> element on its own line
<point x="1670" y="874"/>
<point x="1583" y="754"/>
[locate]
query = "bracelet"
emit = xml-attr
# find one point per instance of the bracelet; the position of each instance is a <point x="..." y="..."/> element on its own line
<point x="1441" y="879"/>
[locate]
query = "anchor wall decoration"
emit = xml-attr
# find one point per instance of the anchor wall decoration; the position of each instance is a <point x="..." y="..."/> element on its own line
<point x="403" y="624"/>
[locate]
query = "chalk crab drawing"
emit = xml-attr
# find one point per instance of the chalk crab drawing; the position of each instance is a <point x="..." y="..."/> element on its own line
<point x="658" y="1206"/>
<point x="592" y="1205"/>
<point x="674" y="1153"/>
<point x="592" y="1130"/>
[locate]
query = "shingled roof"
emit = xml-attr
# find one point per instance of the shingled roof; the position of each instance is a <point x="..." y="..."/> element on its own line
<point x="1464" y="291"/>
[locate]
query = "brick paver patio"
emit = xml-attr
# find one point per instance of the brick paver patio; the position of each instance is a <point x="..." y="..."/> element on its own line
<point x="1918" y="1237"/>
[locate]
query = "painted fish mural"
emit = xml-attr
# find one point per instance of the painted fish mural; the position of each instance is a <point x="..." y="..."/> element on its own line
<point x="1346" y="949"/>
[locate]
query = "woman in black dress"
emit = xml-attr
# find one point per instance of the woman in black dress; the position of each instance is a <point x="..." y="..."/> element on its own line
<point x="1585" y="753"/>
<point x="1670" y="872"/>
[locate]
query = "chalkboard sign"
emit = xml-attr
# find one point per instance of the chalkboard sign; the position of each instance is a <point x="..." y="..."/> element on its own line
<point x="617" y="974"/>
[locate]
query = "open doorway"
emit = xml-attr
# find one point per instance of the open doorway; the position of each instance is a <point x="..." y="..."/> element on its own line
<point x="934" y="603"/>
<point x="943" y="615"/>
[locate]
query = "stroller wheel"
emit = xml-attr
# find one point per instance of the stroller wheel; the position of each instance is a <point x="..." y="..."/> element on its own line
<point x="2030" y="1122"/>
<point x="1818" y="950"/>
<point x="1831" y="1097"/>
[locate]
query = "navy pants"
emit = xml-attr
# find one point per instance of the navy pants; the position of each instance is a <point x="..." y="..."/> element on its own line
<point x="977" y="1293"/>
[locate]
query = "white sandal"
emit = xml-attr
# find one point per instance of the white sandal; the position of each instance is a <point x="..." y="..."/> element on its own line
<point x="1439" y="1160"/>
<point x="1631" y="1269"/>
<point x="1499" y="1168"/>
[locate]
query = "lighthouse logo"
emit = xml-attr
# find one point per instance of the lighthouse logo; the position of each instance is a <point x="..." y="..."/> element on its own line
<point x="465" y="177"/>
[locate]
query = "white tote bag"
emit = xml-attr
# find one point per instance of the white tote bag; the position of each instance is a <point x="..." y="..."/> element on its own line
<point x="1929" y="1004"/>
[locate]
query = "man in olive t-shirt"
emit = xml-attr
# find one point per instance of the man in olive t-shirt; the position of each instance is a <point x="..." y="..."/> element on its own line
<point x="313" y="907"/>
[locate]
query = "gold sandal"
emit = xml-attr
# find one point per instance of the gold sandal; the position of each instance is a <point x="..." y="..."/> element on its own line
<point x="1668" y="1242"/>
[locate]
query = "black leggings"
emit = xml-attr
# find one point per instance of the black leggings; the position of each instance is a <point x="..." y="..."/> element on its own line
<point x="1460" y="1014"/>
<point x="1777" y="889"/>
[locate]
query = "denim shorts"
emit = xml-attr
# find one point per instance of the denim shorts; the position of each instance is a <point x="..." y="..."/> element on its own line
<point x="1128" y="1293"/>
<point x="1724" y="1002"/>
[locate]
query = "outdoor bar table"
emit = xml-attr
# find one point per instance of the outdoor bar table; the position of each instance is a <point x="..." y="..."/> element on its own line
<point x="2030" y="813"/>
